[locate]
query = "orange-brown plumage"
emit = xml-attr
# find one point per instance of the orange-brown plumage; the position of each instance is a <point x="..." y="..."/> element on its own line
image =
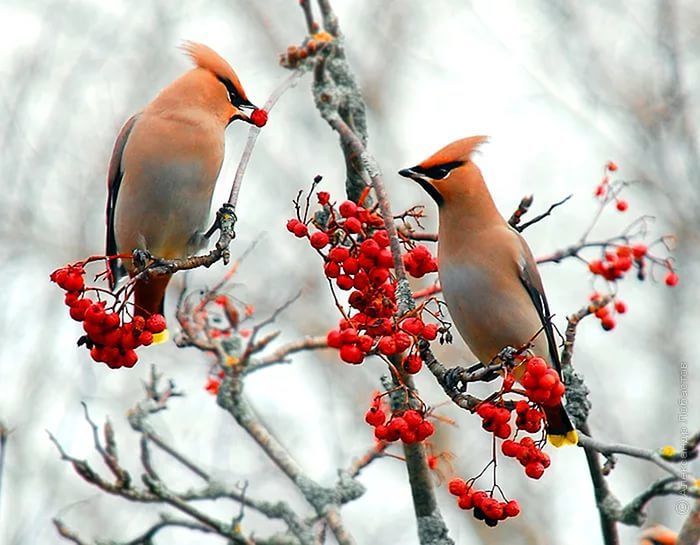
<point x="488" y="274"/>
<point x="165" y="164"/>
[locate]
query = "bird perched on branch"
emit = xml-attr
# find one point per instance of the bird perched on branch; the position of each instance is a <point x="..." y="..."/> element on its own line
<point x="164" y="168"/>
<point x="488" y="275"/>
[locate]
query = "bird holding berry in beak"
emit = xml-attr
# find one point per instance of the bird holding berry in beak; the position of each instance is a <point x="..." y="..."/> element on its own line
<point x="164" y="168"/>
<point x="488" y="274"/>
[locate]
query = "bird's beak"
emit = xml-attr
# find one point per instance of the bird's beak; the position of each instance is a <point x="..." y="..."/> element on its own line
<point x="247" y="105"/>
<point x="411" y="173"/>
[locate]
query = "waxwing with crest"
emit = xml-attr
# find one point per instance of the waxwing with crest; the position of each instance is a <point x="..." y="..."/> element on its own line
<point x="164" y="167"/>
<point x="488" y="275"/>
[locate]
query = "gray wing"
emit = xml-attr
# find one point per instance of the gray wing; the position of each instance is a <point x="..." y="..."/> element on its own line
<point x="531" y="281"/>
<point x="114" y="179"/>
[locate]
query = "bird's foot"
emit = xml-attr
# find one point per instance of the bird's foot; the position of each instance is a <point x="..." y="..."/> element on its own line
<point x="141" y="258"/>
<point x="225" y="221"/>
<point x="457" y="378"/>
<point x="507" y="356"/>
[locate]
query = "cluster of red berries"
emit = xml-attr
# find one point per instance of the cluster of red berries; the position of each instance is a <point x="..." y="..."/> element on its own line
<point x="109" y="339"/>
<point x="419" y="261"/>
<point x="410" y="426"/>
<point x="542" y="383"/>
<point x="603" y="189"/>
<point x="486" y="507"/>
<point x="607" y="314"/>
<point x="530" y="456"/>
<point x="529" y="418"/>
<point x="358" y="259"/>
<point x="615" y="264"/>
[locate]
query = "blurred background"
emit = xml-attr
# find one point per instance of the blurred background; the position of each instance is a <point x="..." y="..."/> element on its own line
<point x="561" y="88"/>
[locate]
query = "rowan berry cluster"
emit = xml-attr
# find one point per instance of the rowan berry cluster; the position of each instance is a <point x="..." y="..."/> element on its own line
<point x="486" y="507"/>
<point x="410" y="426"/>
<point x="530" y="456"/>
<point x="110" y="339"/>
<point x="355" y="247"/>
<point x="542" y="383"/>
<point x="606" y="314"/>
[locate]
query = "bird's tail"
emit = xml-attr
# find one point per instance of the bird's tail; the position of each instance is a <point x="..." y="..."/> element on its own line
<point x="560" y="430"/>
<point x="149" y="298"/>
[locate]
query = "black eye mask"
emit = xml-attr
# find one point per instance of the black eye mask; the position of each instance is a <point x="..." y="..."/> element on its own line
<point x="438" y="172"/>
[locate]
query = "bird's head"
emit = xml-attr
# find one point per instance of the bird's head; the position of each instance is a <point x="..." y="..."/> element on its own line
<point x="223" y="90"/>
<point x="448" y="172"/>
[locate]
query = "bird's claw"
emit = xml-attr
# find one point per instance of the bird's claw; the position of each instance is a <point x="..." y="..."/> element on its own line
<point x="225" y="221"/>
<point x="453" y="379"/>
<point x="141" y="258"/>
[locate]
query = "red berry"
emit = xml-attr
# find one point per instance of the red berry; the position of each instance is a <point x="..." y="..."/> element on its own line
<point x="323" y="197"/>
<point x="457" y="487"/>
<point x="155" y="323"/>
<point x="331" y="269"/>
<point x="370" y="248"/>
<point x="365" y="343"/>
<point x="502" y="431"/>
<point x="548" y="380"/>
<point x="622" y="205"/>
<point x="537" y="366"/>
<point x="381" y="432"/>
<point x="351" y="354"/>
<point x="351" y="266"/>
<point x="639" y="251"/>
<point x="375" y="417"/>
<point x="402" y="340"/>
<point x="465" y="501"/>
<point x="412" y="418"/>
<point x="352" y="225"/>
<point x="412" y="364"/>
<point x="291" y="224"/>
<point x="413" y="326"/>
<point x="259" y="117"/>
<point x="344" y="282"/>
<point x="339" y="254"/>
<point x="534" y="470"/>
<point x="129" y="359"/>
<point x="348" y="209"/>
<point x="333" y="338"/>
<point x="671" y="279"/>
<point x="385" y="259"/>
<point x="77" y="311"/>
<point x="381" y="238"/>
<point x="512" y="508"/>
<point x="319" y="240"/>
<point x="510" y="448"/>
<point x="608" y="323"/>
<point x="612" y="167"/>
<point x="429" y="332"/>
<point x="300" y="230"/>
<point x="620" y="307"/>
<point x="387" y="346"/>
<point x="378" y="275"/>
<point x="424" y="430"/>
<point x="349" y="335"/>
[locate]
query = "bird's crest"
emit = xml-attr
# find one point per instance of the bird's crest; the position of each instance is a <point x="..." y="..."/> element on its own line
<point x="459" y="151"/>
<point x="205" y="57"/>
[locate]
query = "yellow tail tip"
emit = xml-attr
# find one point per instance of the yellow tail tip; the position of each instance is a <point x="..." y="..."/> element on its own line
<point x="160" y="338"/>
<point x="571" y="438"/>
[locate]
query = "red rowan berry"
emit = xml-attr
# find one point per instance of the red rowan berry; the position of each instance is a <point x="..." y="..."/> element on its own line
<point x="402" y="340"/>
<point x="536" y="366"/>
<point x="378" y="275"/>
<point x="370" y="248"/>
<point x="622" y="205"/>
<point x="612" y="167"/>
<point x="331" y="269"/>
<point x="502" y="431"/>
<point x="639" y="251"/>
<point x="510" y="448"/>
<point x="457" y="487"/>
<point x="351" y="354"/>
<point x="381" y="432"/>
<point x="259" y="117"/>
<point x="608" y="323"/>
<point x="345" y="282"/>
<point x="352" y="225"/>
<point x="424" y="430"/>
<point x="339" y="254"/>
<point x="413" y="418"/>
<point x="365" y="343"/>
<point x="375" y="417"/>
<point x="323" y="197"/>
<point x="534" y="470"/>
<point x="465" y="501"/>
<point x="412" y="364"/>
<point x="429" y="332"/>
<point x="300" y="230"/>
<point x="620" y="307"/>
<point x="512" y="508"/>
<point x="387" y="346"/>
<point x="348" y="209"/>
<point x="291" y="224"/>
<point x="671" y="279"/>
<point x="382" y="238"/>
<point x="385" y="259"/>
<point x="413" y="326"/>
<point x="319" y="240"/>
